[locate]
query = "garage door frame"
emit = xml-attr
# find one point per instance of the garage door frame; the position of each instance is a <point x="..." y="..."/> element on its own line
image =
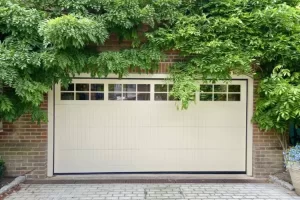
<point x="249" y="133"/>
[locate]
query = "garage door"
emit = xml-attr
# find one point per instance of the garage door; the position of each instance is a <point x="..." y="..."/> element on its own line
<point x="110" y="125"/>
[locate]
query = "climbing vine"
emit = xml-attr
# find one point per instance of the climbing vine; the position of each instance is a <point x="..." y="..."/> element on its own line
<point x="43" y="42"/>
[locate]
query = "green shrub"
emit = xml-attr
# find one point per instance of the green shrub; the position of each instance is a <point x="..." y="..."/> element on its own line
<point x="278" y="104"/>
<point x="2" y="168"/>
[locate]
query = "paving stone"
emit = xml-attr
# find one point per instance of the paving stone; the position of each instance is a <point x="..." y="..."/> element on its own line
<point x="152" y="192"/>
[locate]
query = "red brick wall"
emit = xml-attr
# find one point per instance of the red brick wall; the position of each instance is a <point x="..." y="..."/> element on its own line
<point x="23" y="146"/>
<point x="267" y="153"/>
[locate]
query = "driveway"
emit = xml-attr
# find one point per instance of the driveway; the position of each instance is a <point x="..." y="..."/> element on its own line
<point x="151" y="191"/>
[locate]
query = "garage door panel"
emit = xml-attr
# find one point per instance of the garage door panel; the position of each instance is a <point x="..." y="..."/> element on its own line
<point x="229" y="117"/>
<point x="67" y="159"/>
<point x="224" y="138"/>
<point x="97" y="116"/>
<point x="229" y="160"/>
<point x="149" y="136"/>
<point x="70" y="139"/>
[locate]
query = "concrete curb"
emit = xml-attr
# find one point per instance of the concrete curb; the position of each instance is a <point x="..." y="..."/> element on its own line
<point x="14" y="183"/>
<point x="282" y="183"/>
<point x="145" y="181"/>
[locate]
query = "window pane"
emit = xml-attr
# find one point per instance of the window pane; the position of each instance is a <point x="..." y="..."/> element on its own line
<point x="115" y="96"/>
<point x="206" y="88"/>
<point x="220" y="88"/>
<point x="97" y="87"/>
<point x="234" y="97"/>
<point x="170" y="87"/>
<point x="67" y="96"/>
<point x="144" y="97"/>
<point x="161" y="88"/>
<point x="82" y="96"/>
<point x="97" y="96"/>
<point x="70" y="87"/>
<point x="206" y="97"/>
<point x="144" y="88"/>
<point x="129" y="87"/>
<point x="161" y="96"/>
<point x="220" y="97"/>
<point x="234" y="88"/>
<point x="129" y="96"/>
<point x="172" y="98"/>
<point x="115" y="87"/>
<point x="82" y="87"/>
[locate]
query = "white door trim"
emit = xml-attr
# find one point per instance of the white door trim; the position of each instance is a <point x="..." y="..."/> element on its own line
<point x="50" y="155"/>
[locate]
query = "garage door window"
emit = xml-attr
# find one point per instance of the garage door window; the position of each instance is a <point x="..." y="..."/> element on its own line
<point x="209" y="92"/>
<point x="97" y="92"/>
<point x="234" y="93"/>
<point x="83" y="92"/>
<point x="129" y="92"/>
<point x="67" y="93"/>
<point x="162" y="92"/>
<point x="143" y="93"/>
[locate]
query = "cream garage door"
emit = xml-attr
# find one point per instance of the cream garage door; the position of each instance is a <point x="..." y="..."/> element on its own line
<point x="110" y="125"/>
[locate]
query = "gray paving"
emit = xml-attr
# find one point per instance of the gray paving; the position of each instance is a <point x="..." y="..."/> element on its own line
<point x="151" y="191"/>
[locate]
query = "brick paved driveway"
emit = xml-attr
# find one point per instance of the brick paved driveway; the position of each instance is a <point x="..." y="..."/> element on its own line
<point x="152" y="191"/>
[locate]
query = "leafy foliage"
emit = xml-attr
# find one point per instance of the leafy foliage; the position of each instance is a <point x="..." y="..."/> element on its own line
<point x="120" y="62"/>
<point x="71" y="31"/>
<point x="185" y="86"/>
<point x="279" y="100"/>
<point x="278" y="103"/>
<point x="221" y="37"/>
<point x="43" y="42"/>
<point x="2" y="168"/>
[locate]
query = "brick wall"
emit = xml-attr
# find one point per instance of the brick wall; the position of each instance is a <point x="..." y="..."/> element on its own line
<point x="267" y="152"/>
<point x="23" y="146"/>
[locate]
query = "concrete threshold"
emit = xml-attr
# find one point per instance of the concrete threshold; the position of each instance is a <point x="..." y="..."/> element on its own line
<point x="146" y="178"/>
